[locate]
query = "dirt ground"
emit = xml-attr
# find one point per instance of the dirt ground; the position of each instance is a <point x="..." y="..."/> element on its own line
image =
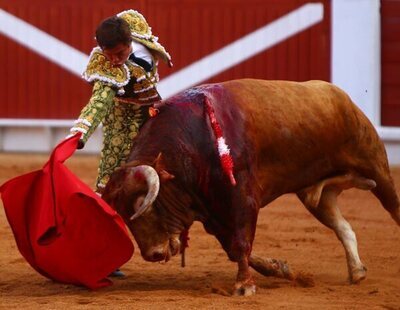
<point x="285" y="231"/>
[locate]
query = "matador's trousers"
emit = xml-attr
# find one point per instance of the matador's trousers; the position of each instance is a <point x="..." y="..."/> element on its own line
<point x="120" y="127"/>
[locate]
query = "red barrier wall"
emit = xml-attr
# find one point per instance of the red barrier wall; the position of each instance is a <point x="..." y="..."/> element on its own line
<point x="33" y="87"/>
<point x="390" y="87"/>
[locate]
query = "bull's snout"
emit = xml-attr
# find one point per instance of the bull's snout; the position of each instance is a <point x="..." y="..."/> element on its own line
<point x="157" y="256"/>
<point x="163" y="253"/>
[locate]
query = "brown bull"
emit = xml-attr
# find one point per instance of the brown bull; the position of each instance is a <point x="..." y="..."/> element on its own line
<point x="284" y="137"/>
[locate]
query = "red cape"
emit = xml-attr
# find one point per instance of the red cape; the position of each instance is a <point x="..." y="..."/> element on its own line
<point x="63" y="229"/>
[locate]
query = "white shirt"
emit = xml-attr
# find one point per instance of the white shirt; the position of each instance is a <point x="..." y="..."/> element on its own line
<point x="142" y="52"/>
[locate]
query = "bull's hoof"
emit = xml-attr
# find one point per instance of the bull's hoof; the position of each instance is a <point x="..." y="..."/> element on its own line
<point x="242" y="289"/>
<point x="357" y="275"/>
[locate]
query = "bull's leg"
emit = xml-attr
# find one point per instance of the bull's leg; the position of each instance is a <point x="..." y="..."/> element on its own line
<point x="245" y="207"/>
<point x="244" y="285"/>
<point x="237" y="245"/>
<point x="239" y="251"/>
<point x="271" y="267"/>
<point x="328" y="213"/>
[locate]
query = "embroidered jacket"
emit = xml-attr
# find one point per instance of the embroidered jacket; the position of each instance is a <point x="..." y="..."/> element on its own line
<point x="128" y="84"/>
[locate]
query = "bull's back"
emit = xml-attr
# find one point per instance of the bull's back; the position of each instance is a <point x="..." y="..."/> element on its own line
<point x="302" y="132"/>
<point x="283" y="109"/>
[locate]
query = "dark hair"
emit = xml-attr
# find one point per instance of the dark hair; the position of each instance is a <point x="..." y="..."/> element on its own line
<point x="113" y="31"/>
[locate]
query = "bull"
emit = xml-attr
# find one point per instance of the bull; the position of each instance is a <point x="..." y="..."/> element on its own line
<point x="306" y="138"/>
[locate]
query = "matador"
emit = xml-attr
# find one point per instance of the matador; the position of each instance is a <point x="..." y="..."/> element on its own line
<point x="124" y="90"/>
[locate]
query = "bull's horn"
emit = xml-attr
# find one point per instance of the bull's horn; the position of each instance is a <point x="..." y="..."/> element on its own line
<point x="153" y="184"/>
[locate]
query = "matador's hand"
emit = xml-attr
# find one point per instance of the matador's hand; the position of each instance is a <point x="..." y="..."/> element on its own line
<point x="80" y="145"/>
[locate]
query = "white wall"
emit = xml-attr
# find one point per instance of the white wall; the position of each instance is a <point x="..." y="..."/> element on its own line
<point x="356" y="62"/>
<point x="40" y="135"/>
<point x="356" y="53"/>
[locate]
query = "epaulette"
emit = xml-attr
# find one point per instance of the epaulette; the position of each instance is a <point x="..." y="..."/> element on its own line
<point x="100" y="68"/>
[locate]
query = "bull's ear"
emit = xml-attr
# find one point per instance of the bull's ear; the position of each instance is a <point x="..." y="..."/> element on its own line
<point x="165" y="175"/>
<point x="160" y="168"/>
<point x="158" y="163"/>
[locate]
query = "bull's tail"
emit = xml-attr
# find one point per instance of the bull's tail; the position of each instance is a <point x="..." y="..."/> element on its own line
<point x="386" y="193"/>
<point x="378" y="170"/>
<point x="373" y="164"/>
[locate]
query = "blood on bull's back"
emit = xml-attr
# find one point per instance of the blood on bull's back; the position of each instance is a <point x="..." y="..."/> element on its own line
<point x="296" y="131"/>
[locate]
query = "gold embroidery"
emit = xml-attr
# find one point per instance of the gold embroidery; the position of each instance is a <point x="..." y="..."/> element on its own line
<point x="143" y="88"/>
<point x="100" y="69"/>
<point x="141" y="32"/>
<point x="97" y="107"/>
<point x="118" y="141"/>
<point x="137" y="23"/>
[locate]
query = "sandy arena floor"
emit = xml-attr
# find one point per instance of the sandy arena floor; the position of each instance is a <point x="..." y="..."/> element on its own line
<point x="285" y="230"/>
